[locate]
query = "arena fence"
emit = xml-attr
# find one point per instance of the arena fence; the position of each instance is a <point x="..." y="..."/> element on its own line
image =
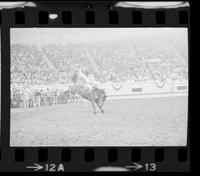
<point x="39" y="96"/>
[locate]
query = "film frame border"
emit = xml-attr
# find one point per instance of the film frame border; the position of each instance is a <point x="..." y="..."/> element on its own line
<point x="169" y="159"/>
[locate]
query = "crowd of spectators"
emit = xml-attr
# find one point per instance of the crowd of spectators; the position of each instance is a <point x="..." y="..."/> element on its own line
<point x="28" y="97"/>
<point x="28" y="66"/>
<point x="140" y="60"/>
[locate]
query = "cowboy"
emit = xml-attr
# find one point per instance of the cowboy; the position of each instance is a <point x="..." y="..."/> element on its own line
<point x="88" y="79"/>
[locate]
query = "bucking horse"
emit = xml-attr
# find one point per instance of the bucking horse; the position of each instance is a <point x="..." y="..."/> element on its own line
<point x="95" y="96"/>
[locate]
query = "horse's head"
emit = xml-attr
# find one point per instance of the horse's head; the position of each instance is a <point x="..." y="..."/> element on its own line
<point x="101" y="96"/>
<point x="102" y="100"/>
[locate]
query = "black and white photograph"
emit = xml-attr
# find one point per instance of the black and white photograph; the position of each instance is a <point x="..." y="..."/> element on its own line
<point x="98" y="87"/>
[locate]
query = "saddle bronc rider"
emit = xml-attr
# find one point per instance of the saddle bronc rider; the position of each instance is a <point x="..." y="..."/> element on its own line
<point x="88" y="79"/>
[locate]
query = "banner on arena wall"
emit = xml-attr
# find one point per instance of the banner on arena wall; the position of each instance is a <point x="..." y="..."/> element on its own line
<point x="117" y="86"/>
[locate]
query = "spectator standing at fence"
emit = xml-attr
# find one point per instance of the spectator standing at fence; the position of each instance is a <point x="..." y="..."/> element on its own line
<point x="56" y="94"/>
<point x="49" y="97"/>
<point x="26" y="98"/>
<point x="30" y="100"/>
<point x="42" y="98"/>
<point x="38" y="97"/>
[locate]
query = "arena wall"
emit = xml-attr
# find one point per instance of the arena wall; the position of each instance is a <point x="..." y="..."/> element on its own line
<point x="145" y="90"/>
<point x="136" y="89"/>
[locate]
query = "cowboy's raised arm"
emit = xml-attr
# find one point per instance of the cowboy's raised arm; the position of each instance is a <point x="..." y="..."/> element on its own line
<point x="81" y="74"/>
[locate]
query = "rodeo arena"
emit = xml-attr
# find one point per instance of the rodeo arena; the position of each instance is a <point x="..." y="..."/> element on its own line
<point x="138" y="95"/>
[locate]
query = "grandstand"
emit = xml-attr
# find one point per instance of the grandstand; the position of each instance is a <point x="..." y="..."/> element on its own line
<point x="128" y="63"/>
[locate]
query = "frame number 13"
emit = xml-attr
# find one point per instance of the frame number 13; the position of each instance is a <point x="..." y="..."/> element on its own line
<point x="150" y="167"/>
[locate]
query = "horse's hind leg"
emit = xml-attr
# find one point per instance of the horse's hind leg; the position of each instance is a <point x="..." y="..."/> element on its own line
<point x="100" y="107"/>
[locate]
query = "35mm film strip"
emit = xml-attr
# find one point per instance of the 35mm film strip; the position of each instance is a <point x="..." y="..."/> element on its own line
<point x="95" y="86"/>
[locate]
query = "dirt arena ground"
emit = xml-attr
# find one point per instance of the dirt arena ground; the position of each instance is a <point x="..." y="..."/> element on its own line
<point x="131" y="122"/>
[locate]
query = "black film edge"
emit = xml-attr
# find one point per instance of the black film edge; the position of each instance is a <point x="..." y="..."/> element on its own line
<point x="23" y="149"/>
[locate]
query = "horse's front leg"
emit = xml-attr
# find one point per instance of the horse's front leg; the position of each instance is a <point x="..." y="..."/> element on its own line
<point x="93" y="105"/>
